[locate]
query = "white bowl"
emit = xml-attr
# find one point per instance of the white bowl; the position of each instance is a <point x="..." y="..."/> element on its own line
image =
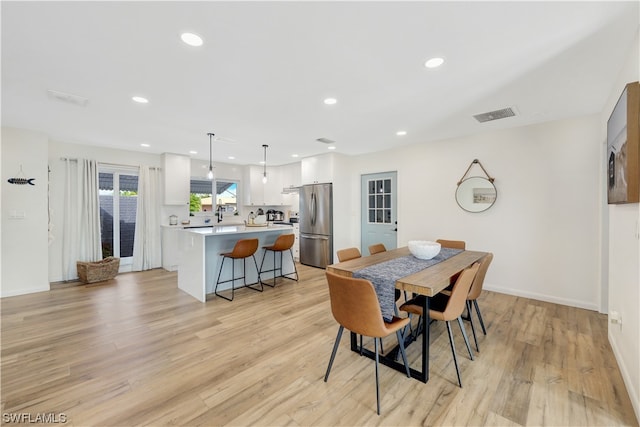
<point x="423" y="249"/>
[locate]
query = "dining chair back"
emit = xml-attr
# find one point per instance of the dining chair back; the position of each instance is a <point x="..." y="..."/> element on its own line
<point x="349" y="253"/>
<point x="355" y="306"/>
<point x="378" y="247"/>
<point x="452" y="244"/>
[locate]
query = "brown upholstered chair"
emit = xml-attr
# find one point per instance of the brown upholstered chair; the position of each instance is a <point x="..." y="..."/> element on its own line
<point x="378" y="247"/>
<point x="451" y="311"/>
<point x="355" y="306"/>
<point x="472" y="298"/>
<point x="283" y="243"/>
<point x="243" y="249"/>
<point x="453" y="244"/>
<point x="347" y="254"/>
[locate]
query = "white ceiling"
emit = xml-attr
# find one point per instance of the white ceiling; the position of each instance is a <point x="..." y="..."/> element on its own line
<point x="265" y="68"/>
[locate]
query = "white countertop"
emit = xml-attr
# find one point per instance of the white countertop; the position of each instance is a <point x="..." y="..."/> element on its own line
<point x="235" y="229"/>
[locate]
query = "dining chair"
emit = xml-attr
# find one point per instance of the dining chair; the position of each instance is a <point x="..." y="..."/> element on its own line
<point x="452" y="244"/>
<point x="452" y="310"/>
<point x="378" y="247"/>
<point x="472" y="298"/>
<point x="355" y="306"/>
<point x="347" y="254"/>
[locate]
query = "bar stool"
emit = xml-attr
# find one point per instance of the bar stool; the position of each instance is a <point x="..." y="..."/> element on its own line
<point x="283" y="243"/>
<point x="243" y="249"/>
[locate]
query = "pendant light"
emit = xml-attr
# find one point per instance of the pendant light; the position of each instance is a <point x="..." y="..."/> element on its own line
<point x="264" y="170"/>
<point x="210" y="174"/>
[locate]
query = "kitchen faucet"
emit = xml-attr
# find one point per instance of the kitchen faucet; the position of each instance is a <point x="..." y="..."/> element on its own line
<point x="219" y="216"/>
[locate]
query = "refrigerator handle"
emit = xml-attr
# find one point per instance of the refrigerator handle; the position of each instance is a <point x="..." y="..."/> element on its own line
<point x="313" y="208"/>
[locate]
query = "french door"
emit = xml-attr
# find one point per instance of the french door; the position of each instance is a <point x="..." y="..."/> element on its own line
<point x="118" y="207"/>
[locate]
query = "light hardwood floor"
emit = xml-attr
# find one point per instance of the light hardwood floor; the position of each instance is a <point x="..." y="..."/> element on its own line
<point x="138" y="351"/>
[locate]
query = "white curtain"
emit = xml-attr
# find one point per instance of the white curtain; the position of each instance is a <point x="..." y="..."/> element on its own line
<point x="81" y="225"/>
<point x="146" y="244"/>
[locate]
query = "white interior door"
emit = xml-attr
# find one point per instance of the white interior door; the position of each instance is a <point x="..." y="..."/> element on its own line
<point x="379" y="210"/>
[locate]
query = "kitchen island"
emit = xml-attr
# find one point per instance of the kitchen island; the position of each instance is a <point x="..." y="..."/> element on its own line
<point x="200" y="256"/>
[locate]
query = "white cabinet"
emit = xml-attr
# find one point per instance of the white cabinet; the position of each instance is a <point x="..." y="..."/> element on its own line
<point x="296" y="244"/>
<point x="290" y="175"/>
<point x="171" y="247"/>
<point x="176" y="170"/>
<point x="258" y="193"/>
<point x="317" y="169"/>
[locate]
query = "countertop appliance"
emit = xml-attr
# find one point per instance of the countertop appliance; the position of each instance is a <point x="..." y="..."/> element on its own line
<point x="273" y="215"/>
<point x="316" y="225"/>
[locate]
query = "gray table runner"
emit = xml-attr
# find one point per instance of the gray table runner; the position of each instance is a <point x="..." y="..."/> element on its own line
<point x="384" y="276"/>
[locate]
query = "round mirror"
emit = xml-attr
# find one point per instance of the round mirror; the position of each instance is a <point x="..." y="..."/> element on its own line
<point x="476" y="194"/>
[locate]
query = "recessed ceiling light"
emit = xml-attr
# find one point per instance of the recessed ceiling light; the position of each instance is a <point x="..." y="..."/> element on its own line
<point x="191" y="39"/>
<point x="262" y="162"/>
<point x="401" y="133"/>
<point x="193" y="152"/>
<point x="140" y="99"/>
<point x="145" y="145"/>
<point x="231" y="158"/>
<point x="434" y="62"/>
<point x="294" y="155"/>
<point x="331" y="147"/>
<point x="330" y="101"/>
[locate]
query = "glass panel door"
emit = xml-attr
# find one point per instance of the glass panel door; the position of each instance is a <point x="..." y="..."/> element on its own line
<point x="118" y="207"/>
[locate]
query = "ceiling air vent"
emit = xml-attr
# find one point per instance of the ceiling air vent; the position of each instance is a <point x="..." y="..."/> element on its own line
<point x="495" y="115"/>
<point x="68" y="98"/>
<point x="325" y="141"/>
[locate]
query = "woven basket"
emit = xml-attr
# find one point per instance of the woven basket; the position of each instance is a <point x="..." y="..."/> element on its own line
<point x="97" y="271"/>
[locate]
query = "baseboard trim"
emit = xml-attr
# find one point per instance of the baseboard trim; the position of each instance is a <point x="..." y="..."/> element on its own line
<point x="633" y="393"/>
<point x="23" y="292"/>
<point x="542" y="297"/>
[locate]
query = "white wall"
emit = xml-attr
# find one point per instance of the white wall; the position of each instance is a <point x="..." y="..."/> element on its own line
<point x="544" y="226"/>
<point x="24" y="241"/>
<point x="624" y="259"/>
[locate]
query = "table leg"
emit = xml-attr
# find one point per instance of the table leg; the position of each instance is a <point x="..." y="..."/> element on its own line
<point x="425" y="340"/>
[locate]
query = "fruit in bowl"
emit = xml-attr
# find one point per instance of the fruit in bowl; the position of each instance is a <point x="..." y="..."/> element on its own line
<point x="424" y="249"/>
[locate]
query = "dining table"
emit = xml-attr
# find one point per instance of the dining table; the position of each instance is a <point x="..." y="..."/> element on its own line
<point x="428" y="281"/>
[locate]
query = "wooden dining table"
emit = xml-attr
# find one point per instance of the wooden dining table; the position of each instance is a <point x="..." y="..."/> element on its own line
<point x="428" y="282"/>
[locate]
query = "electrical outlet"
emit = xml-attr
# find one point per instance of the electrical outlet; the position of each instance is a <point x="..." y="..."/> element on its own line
<point x="615" y="318"/>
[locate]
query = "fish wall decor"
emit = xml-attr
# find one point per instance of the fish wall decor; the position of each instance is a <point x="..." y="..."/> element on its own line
<point x="21" y="181"/>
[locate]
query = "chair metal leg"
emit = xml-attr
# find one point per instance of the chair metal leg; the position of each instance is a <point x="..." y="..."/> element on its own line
<point x="375" y="346"/>
<point x="218" y="280"/>
<point x="473" y="328"/>
<point x="259" y="282"/>
<point x="333" y="353"/>
<point x="466" y="339"/>
<point x="361" y="345"/>
<point x="475" y="302"/>
<point x="453" y="351"/>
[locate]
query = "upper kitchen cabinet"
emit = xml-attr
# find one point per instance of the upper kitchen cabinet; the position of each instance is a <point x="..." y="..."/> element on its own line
<point x="270" y="193"/>
<point x="291" y="175"/>
<point x="318" y="169"/>
<point x="176" y="170"/>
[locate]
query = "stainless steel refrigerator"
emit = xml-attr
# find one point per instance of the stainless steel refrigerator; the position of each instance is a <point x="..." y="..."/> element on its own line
<point x="316" y="225"/>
